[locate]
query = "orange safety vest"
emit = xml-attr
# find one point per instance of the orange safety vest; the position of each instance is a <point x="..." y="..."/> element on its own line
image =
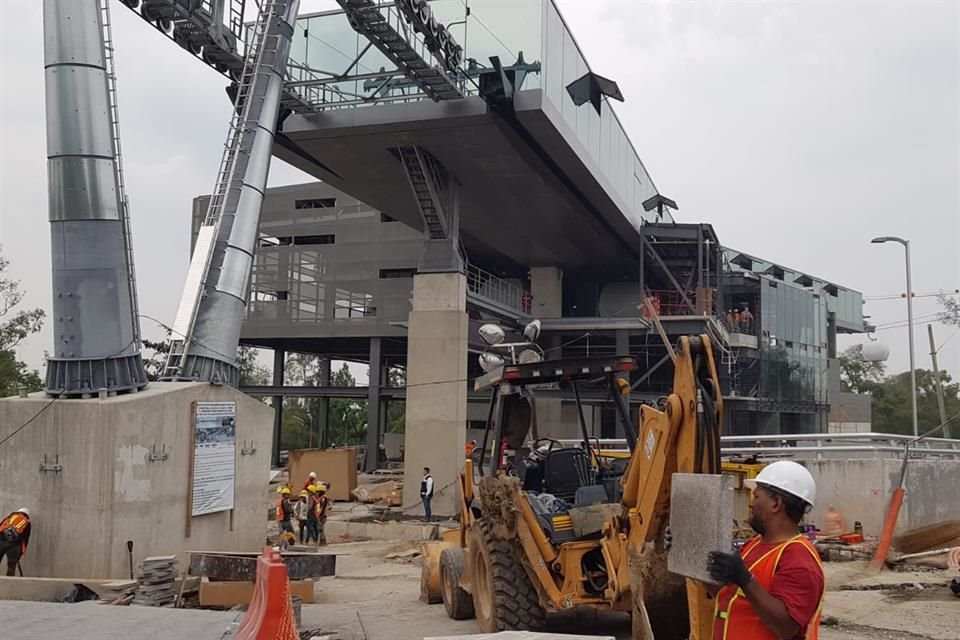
<point x="18" y="522"/>
<point x="740" y="621"/>
<point x="280" y="514"/>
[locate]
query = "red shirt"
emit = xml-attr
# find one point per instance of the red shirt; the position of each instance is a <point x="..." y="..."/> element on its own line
<point x="798" y="583"/>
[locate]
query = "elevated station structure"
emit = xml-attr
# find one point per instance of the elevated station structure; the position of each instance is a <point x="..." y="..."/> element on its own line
<point x="485" y="131"/>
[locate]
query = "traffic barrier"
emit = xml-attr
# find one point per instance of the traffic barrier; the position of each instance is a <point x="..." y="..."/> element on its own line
<point x="270" y="615"/>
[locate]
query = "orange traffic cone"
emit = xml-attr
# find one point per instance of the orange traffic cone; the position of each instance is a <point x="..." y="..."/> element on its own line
<point x="270" y="616"/>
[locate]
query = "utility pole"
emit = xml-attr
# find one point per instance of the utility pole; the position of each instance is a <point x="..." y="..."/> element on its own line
<point x="936" y="377"/>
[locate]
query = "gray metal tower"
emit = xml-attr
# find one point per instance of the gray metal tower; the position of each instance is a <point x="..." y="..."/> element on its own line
<point x="95" y="324"/>
<point x="206" y="331"/>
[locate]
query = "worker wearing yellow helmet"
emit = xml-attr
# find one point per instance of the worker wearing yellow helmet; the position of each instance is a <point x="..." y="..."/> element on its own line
<point x="285" y="512"/>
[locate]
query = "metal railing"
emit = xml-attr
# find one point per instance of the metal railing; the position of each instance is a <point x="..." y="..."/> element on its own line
<point x="496" y="290"/>
<point x="817" y="445"/>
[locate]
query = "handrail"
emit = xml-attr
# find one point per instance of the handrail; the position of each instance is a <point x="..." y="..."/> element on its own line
<point x="791" y="444"/>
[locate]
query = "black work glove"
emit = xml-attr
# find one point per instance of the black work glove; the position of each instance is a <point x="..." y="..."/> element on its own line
<point x="667" y="539"/>
<point x="728" y="568"/>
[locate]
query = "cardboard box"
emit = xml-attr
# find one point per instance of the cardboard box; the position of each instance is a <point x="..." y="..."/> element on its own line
<point x="230" y="594"/>
<point x="335" y="466"/>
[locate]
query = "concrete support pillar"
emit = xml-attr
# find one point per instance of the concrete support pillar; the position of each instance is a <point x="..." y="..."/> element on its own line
<point x="546" y="287"/>
<point x="436" y="408"/>
<point x="279" y="363"/>
<point x="373" y="405"/>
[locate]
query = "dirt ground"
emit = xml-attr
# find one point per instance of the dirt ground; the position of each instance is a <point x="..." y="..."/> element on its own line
<point x="375" y="598"/>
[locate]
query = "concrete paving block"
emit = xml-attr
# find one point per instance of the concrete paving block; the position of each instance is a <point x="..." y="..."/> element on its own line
<point x="701" y="521"/>
<point x="520" y="635"/>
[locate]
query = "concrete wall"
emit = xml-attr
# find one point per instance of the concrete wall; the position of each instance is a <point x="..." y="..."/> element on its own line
<point x="860" y="489"/>
<point x="109" y="491"/>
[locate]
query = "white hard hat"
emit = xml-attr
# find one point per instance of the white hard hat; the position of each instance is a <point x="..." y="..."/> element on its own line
<point x="789" y="477"/>
<point x="313" y="474"/>
<point x="24" y="511"/>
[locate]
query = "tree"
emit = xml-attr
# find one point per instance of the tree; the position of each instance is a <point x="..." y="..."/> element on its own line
<point x="347" y="418"/>
<point x="951" y="309"/>
<point x="15" y="325"/>
<point x="396" y="409"/>
<point x="856" y="374"/>
<point x="891" y="402"/>
<point x="252" y="373"/>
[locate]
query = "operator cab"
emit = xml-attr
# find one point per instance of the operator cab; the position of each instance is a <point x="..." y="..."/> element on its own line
<point x="557" y="480"/>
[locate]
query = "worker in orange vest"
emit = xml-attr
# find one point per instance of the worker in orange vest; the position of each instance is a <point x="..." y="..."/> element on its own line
<point x="285" y="513"/>
<point x="322" y="511"/>
<point x="773" y="588"/>
<point x="14" y="537"/>
<point x="470" y="447"/>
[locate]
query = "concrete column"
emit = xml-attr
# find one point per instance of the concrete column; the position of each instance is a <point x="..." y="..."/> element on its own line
<point x="546" y="287"/>
<point x="436" y="408"/>
<point x="373" y="405"/>
<point x="279" y="363"/>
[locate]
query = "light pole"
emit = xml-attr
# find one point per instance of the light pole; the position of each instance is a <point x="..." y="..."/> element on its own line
<point x="913" y="369"/>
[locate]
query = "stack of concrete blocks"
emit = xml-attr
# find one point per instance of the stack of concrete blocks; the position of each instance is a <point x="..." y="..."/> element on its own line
<point x="701" y="521"/>
<point x="156" y="579"/>
<point x="118" y="469"/>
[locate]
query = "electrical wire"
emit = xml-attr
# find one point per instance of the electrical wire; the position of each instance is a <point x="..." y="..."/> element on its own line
<point x="903" y="296"/>
<point x="25" y="424"/>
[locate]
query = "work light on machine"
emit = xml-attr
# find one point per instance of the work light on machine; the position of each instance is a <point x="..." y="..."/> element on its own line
<point x="490" y="361"/>
<point x="492" y="334"/>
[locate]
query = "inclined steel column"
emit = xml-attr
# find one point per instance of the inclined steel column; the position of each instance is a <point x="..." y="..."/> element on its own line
<point x="208" y="351"/>
<point x="95" y="342"/>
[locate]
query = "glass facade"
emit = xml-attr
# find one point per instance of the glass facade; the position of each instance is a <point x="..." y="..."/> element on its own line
<point x="847" y="304"/>
<point x="793" y="354"/>
<point x="599" y="138"/>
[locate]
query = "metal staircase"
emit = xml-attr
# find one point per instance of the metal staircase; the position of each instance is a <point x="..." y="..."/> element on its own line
<point x="388" y="33"/>
<point x="426" y="178"/>
<point x="123" y="202"/>
<point x="247" y="113"/>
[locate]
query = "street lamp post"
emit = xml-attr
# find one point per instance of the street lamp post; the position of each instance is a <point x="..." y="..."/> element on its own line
<point x="913" y="369"/>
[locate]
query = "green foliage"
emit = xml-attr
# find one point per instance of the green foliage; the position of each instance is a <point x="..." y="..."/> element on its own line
<point x="345" y="418"/>
<point x="15" y="325"/>
<point x="396" y="409"/>
<point x="951" y="309"/>
<point x="856" y="374"/>
<point x="891" y="403"/>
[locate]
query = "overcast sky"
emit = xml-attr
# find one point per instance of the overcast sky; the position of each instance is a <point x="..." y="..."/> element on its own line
<point x="799" y="130"/>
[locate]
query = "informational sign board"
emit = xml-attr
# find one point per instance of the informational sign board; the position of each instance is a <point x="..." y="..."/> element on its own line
<point x="214" y="457"/>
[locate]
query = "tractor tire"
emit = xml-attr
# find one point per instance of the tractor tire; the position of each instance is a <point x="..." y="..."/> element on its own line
<point x="457" y="602"/>
<point x="504" y="599"/>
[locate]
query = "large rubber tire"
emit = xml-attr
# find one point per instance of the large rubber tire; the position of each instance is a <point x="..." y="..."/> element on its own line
<point x="503" y="596"/>
<point x="457" y="602"/>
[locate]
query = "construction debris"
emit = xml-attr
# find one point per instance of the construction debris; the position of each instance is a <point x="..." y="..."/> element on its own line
<point x="157" y="575"/>
<point x="239" y="566"/>
<point x="389" y="493"/>
<point x="936" y="536"/>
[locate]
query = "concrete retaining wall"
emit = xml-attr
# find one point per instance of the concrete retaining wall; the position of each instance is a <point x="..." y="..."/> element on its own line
<point x="860" y="489"/>
<point x="109" y="491"/>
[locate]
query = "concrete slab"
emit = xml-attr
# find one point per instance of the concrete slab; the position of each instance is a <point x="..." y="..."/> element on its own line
<point x="701" y="521"/>
<point x="92" y="621"/>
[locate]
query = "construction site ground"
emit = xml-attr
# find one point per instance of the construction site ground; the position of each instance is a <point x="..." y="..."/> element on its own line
<point x="374" y="597"/>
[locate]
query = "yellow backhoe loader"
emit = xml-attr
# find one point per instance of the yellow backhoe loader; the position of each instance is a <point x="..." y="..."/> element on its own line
<point x="546" y="528"/>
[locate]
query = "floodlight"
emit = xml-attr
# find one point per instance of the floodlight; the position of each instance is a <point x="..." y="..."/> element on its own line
<point x="532" y="331"/>
<point x="490" y="361"/>
<point x="492" y="334"/>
